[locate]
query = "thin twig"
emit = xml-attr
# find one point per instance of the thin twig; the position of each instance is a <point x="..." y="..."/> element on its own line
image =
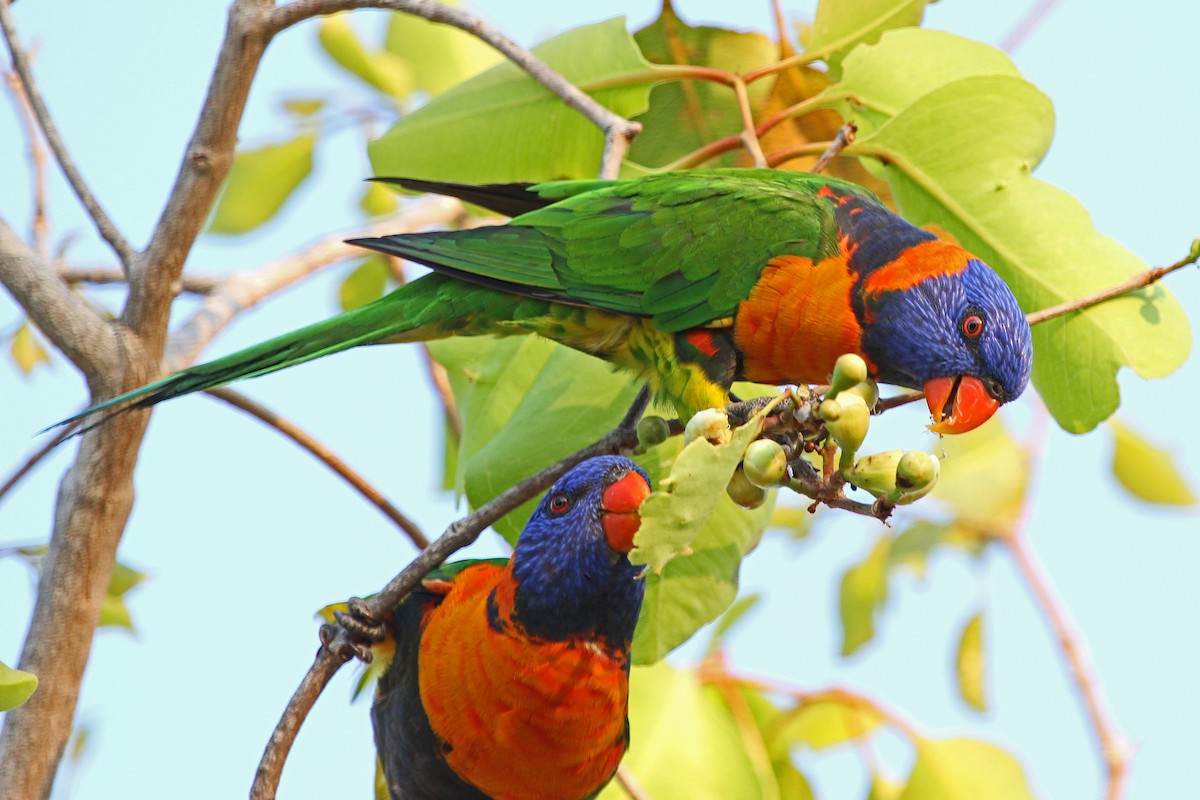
<point x="629" y="784"/>
<point x="326" y="456"/>
<point x="36" y="456"/>
<point x="618" y="131"/>
<point x="39" y="226"/>
<point x="104" y="225"/>
<point x="845" y="136"/>
<point x="1028" y="23"/>
<point x="1138" y="281"/>
<point x="749" y="132"/>
<point x="338" y="647"/>
<point x="101" y="276"/>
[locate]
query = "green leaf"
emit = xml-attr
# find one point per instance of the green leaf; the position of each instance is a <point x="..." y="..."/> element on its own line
<point x="378" y="201"/>
<point x="519" y="390"/>
<point x="694" y="589"/>
<point x="964" y="769"/>
<point x="912" y="546"/>
<point x="863" y="591"/>
<point x="381" y="69"/>
<point x="959" y="155"/>
<point x="984" y="477"/>
<point x="1147" y="471"/>
<point x="796" y="522"/>
<point x="673" y="516"/>
<point x="113" y="611"/>
<point x="970" y="664"/>
<point x="26" y="350"/>
<point x="15" y="686"/>
<point x="364" y="284"/>
<point x="438" y="56"/>
<point x="260" y="183"/>
<point x="503" y="125"/>
<point x="842" y="25"/>
<point x="685" y="115"/>
<point x="684" y="731"/>
<point x="826" y="722"/>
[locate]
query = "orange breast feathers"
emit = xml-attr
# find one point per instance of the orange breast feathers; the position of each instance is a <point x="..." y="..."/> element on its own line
<point x="797" y="321"/>
<point x="523" y="718"/>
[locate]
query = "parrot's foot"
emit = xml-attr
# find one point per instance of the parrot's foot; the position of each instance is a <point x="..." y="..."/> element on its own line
<point x="740" y="412"/>
<point x="360" y="628"/>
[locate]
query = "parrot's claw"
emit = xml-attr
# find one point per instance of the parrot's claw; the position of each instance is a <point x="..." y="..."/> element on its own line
<point x="354" y="632"/>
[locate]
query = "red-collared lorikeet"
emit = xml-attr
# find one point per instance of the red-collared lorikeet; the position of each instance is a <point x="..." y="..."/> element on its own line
<point x="691" y="280"/>
<point x="511" y="679"/>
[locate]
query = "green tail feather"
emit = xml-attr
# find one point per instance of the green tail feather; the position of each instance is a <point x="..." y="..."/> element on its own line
<point x="431" y="307"/>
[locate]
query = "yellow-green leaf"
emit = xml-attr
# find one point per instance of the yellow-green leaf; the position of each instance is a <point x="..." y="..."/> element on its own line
<point x="965" y="769"/>
<point x="731" y="618"/>
<point x="684" y="734"/>
<point x="378" y="201"/>
<point x="438" y="56"/>
<point x="16" y="686"/>
<point x="912" y="546"/>
<point x="384" y="70"/>
<point x="794" y="520"/>
<point x="260" y="183"/>
<point x="826" y="722"/>
<point x="364" y="284"/>
<point x="863" y="591"/>
<point x="114" y="613"/>
<point x="503" y="125"/>
<point x="971" y="663"/>
<point x="984" y="477"/>
<point x="1147" y="471"/>
<point x="26" y="350"/>
<point x="841" y="25"/>
<point x="304" y="106"/>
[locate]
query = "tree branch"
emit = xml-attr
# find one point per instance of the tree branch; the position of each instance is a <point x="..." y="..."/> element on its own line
<point x="1138" y="281"/>
<point x="39" y="228"/>
<point x="618" y="131"/>
<point x="206" y="161"/>
<point x="64" y="317"/>
<point x="326" y="456"/>
<point x="243" y="290"/>
<point x="338" y="647"/>
<point x="35" y="458"/>
<point x="102" y="276"/>
<point x="20" y="62"/>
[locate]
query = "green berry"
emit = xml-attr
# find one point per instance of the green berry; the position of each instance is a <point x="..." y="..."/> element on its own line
<point x="653" y="430"/>
<point x="765" y="463"/>
<point x="849" y="370"/>
<point x="745" y="493"/>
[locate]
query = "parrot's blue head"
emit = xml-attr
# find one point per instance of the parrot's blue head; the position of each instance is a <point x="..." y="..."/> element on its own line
<point x="571" y="566"/>
<point x="959" y="335"/>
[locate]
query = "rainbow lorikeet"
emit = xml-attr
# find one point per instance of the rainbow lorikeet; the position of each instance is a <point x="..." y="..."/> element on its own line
<point x="692" y="280"/>
<point x="511" y="679"/>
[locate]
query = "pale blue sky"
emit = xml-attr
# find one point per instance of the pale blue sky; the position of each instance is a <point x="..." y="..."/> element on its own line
<point x="244" y="537"/>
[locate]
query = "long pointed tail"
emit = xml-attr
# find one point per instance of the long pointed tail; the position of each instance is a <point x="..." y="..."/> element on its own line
<point x="428" y="308"/>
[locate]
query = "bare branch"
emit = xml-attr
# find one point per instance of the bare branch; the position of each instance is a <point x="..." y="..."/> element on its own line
<point x="39" y="227"/>
<point x="337" y="647"/>
<point x="845" y="136"/>
<point x="629" y="784"/>
<point x="61" y="315"/>
<point x="35" y="458"/>
<point x="326" y="456"/>
<point x="206" y="161"/>
<point x="243" y="290"/>
<point x="749" y="132"/>
<point x="1138" y="281"/>
<point x="1028" y="23"/>
<point x="21" y="64"/>
<point x="102" y="276"/>
<point x="618" y="131"/>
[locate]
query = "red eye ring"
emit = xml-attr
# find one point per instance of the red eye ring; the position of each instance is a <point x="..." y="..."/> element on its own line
<point x="559" y="503"/>
<point x="972" y="325"/>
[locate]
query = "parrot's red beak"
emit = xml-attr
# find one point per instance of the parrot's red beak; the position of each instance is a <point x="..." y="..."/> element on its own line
<point x="959" y="404"/>
<point x="620" y="503"/>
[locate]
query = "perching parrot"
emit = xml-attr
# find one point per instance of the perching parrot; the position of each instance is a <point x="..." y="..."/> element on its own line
<point x="691" y="280"/>
<point x="511" y="679"/>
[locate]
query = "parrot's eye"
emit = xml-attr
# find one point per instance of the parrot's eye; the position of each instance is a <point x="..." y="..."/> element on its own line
<point x="559" y="503"/>
<point x="972" y="325"/>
